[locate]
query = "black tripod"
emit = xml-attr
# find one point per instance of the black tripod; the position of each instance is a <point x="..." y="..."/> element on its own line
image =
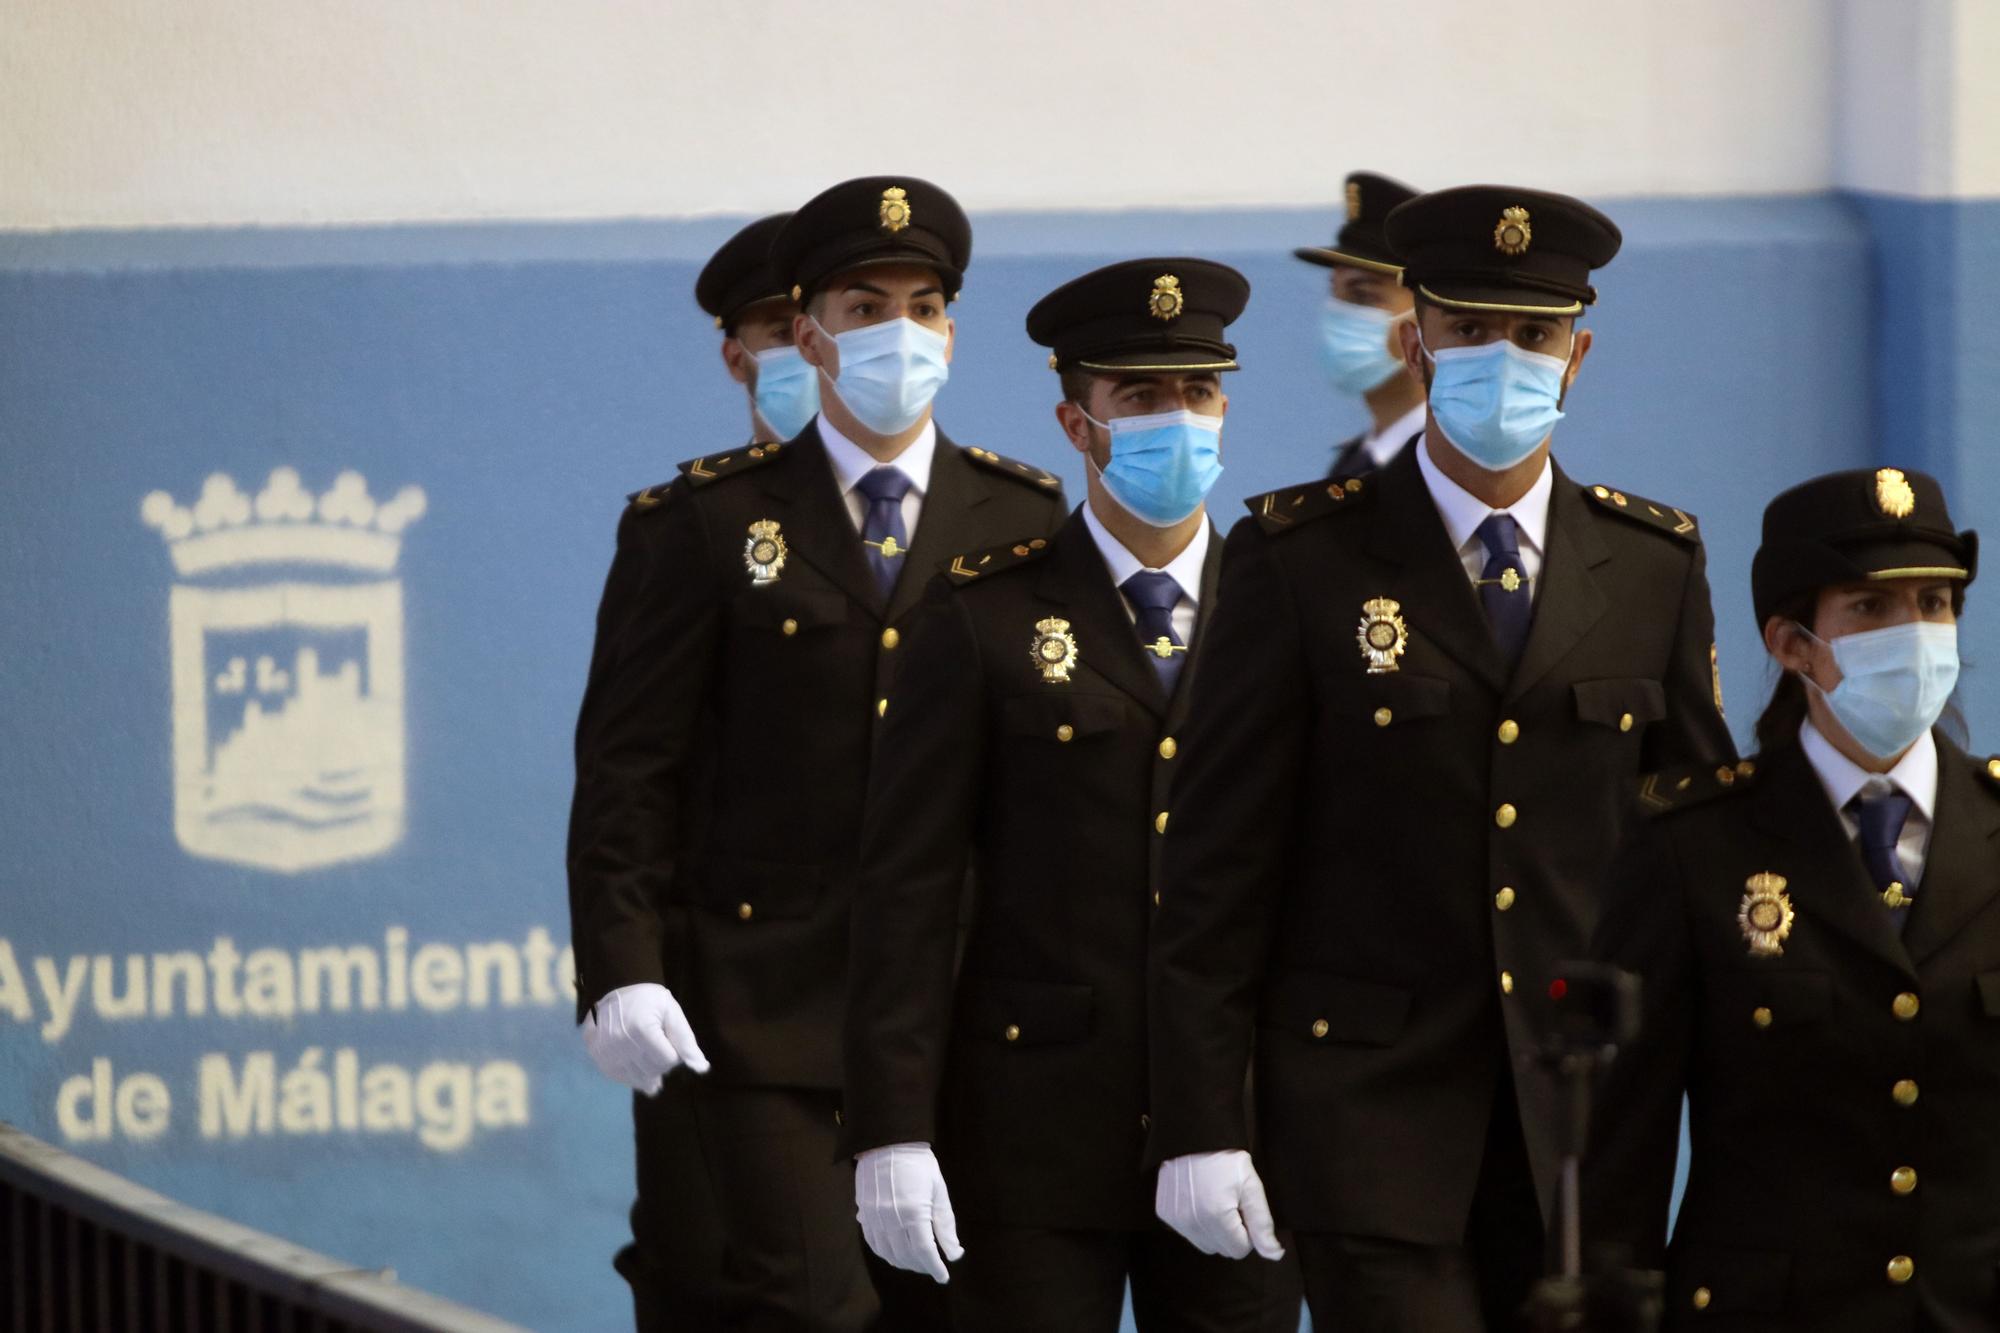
<point x="1596" y="1011"/>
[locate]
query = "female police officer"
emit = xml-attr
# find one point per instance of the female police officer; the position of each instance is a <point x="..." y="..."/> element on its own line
<point x="1818" y="933"/>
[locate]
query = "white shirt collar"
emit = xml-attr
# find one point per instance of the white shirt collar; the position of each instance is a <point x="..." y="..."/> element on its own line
<point x="851" y="462"/>
<point x="1185" y="567"/>
<point x="1383" y="445"/>
<point x="1915" y="774"/>
<point x="1463" y="511"/>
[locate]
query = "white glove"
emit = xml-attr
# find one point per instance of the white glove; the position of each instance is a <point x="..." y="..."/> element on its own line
<point x="637" y="1034"/>
<point x="1216" y="1200"/>
<point x="905" y="1210"/>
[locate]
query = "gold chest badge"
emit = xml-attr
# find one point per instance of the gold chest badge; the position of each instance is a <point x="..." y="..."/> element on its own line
<point x="1054" y="650"/>
<point x="1382" y="635"/>
<point x="1766" y="914"/>
<point x="764" y="553"/>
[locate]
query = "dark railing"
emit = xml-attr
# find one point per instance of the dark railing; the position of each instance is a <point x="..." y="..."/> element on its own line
<point x="83" y="1249"/>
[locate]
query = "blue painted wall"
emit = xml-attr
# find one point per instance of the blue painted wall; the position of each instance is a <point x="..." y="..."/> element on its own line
<point x="526" y="378"/>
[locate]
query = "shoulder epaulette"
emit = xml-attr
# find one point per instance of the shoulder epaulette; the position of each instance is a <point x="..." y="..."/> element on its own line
<point x="1278" y="511"/>
<point x="650" y="498"/>
<point x="1674" y="522"/>
<point x="713" y="468"/>
<point x="993" y="560"/>
<point x="1694" y="784"/>
<point x="1026" y="473"/>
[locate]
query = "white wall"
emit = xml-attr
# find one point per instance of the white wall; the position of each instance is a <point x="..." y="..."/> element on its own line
<point x="190" y="112"/>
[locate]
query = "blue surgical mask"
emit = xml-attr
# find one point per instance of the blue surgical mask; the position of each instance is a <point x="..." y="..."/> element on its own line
<point x="1893" y="682"/>
<point x="1496" y="403"/>
<point x="889" y="372"/>
<point x="1163" y="465"/>
<point x="787" y="393"/>
<point x="1354" y="346"/>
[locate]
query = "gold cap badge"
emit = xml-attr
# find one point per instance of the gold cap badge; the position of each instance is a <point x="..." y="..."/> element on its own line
<point x="1383" y="636"/>
<point x="764" y="553"/>
<point x="1353" y="200"/>
<point x="1512" y="234"/>
<point x="1053" y="650"/>
<point x="895" y="210"/>
<point x="1166" y="300"/>
<point x="1766" y="914"/>
<point x="1893" y="495"/>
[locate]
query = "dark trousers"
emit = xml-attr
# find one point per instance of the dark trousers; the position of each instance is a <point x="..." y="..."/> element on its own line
<point x="792" y="1254"/>
<point x="1370" y="1284"/>
<point x="1016" y="1279"/>
<point x="676" y="1250"/>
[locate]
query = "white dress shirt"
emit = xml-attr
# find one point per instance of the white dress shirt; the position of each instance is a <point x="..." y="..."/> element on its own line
<point x="1915" y="775"/>
<point x="1463" y="512"/>
<point x="1185" y="568"/>
<point x="851" y="463"/>
<point x="1383" y="445"/>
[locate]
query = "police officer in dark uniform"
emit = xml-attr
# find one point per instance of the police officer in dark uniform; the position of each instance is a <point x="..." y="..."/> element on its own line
<point x="1818" y="935"/>
<point x="749" y="624"/>
<point x="1031" y="735"/>
<point x="1358" y="346"/>
<point x="676" y="1248"/>
<point x="1423" y="706"/>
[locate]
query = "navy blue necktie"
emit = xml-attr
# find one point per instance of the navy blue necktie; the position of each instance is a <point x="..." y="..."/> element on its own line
<point x="1882" y="816"/>
<point x="1503" y="585"/>
<point x="1153" y="596"/>
<point x="882" y="530"/>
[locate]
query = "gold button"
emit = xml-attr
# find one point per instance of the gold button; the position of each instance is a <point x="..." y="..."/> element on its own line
<point x="1156" y="897"/>
<point x="890" y="638"/>
<point x="1598" y="491"/>
<point x="1505" y="816"/>
<point x="1624" y="722"/>
<point x="1745" y="769"/>
<point x="1905" y="1006"/>
<point x="1504" y="899"/>
<point x="1383" y="717"/>
<point x="1725" y="776"/>
<point x="790" y="627"/>
<point x="881" y="706"/>
<point x="1160" y="822"/>
<point x="1319" y="1027"/>
<point x="1065" y="731"/>
<point x="1901" y="1269"/>
<point x="1903" y="1180"/>
<point x="744" y="911"/>
<point x="1012" y="1033"/>
<point x="1510" y="731"/>
<point x="1506" y="983"/>
<point x="1993" y="768"/>
<point x="1905" y="1092"/>
<point x="1761" y="1016"/>
<point x="1702" y="1296"/>
<point x="1168" y="749"/>
<point x="837" y="1119"/>
<point x="1145" y="1121"/>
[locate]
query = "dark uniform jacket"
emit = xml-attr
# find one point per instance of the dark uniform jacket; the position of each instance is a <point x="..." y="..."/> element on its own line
<point x="1035" y="1060"/>
<point x="723" y="745"/>
<point x="1844" y="1094"/>
<point x="1376" y="873"/>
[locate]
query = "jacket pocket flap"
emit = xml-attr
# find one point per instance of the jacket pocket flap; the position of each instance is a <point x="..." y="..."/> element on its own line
<point x="1795" y="996"/>
<point x="1024" y="1013"/>
<point x="1404" y="697"/>
<point x="1319" y="1007"/>
<point x="1047" y="714"/>
<point x="1737" y="1280"/>
<point x="773" y="605"/>
<point x="1610" y="701"/>
<point x="1989" y="993"/>
<point x="756" y="891"/>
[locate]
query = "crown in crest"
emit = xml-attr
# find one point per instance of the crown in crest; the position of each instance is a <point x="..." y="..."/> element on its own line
<point x="284" y="524"/>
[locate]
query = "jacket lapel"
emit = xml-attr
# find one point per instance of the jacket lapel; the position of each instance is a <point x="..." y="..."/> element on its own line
<point x="1832" y="887"/>
<point x="1106" y="640"/>
<point x="817" y="527"/>
<point x="1438" y="601"/>
<point x="1569" y="601"/>
<point x="1960" y="872"/>
<point x="953" y="492"/>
